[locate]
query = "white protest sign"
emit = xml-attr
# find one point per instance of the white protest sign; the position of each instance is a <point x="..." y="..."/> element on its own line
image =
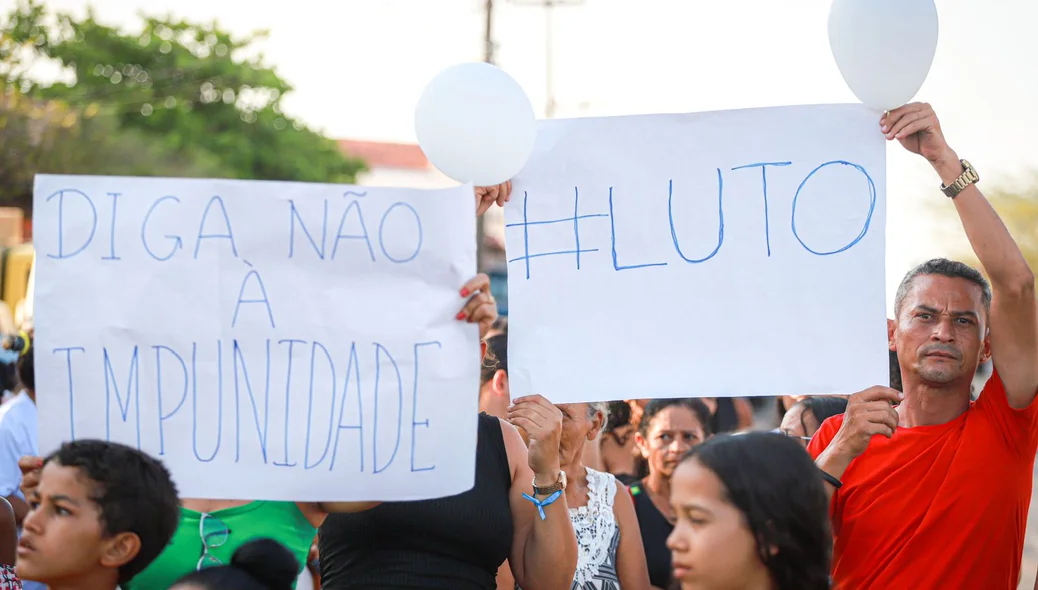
<point x="734" y="253"/>
<point x="266" y="340"/>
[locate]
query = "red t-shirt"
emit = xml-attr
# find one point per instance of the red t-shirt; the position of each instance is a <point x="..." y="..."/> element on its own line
<point x="941" y="506"/>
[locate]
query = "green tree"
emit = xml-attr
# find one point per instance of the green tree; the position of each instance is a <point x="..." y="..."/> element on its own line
<point x="1018" y="209"/>
<point x="49" y="137"/>
<point x="181" y="88"/>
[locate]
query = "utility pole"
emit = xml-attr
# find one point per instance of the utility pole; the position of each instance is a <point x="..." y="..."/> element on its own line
<point x="549" y="46"/>
<point x="488" y="33"/>
<point x="488" y="57"/>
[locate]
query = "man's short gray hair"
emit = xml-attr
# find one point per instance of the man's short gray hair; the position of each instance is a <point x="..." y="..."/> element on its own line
<point x="945" y="268"/>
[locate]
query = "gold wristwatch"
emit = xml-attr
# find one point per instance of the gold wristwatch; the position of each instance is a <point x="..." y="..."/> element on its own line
<point x="558" y="486"/>
<point x="969" y="176"/>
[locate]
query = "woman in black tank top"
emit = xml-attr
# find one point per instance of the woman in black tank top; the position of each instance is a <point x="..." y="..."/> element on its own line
<point x="459" y="542"/>
<point x="668" y="429"/>
<point x="456" y="542"/>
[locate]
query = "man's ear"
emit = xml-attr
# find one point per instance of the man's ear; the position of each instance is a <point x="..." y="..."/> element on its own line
<point x="482" y="349"/>
<point x="891" y="329"/>
<point x="985" y="348"/>
<point x="120" y="550"/>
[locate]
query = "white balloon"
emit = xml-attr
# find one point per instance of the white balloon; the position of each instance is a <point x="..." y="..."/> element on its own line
<point x="884" y="48"/>
<point x="475" y="124"/>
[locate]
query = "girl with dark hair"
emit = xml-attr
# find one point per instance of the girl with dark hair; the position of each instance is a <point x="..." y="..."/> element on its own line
<point x="668" y="429"/>
<point x="260" y="564"/>
<point x="806" y="416"/>
<point x="752" y="512"/>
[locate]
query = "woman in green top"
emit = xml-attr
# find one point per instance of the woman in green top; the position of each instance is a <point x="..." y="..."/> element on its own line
<point x="211" y="531"/>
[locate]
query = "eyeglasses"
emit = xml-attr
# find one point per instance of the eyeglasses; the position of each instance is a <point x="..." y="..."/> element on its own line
<point x="806" y="439"/>
<point x="214" y="534"/>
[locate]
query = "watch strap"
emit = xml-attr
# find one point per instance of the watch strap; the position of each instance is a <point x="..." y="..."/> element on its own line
<point x="969" y="176"/>
<point x="547" y="491"/>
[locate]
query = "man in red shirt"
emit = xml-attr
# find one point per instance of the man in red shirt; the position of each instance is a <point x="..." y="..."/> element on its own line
<point x="929" y="489"/>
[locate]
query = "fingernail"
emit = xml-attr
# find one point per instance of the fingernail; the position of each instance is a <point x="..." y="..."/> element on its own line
<point x="464" y="292"/>
<point x="39" y="463"/>
<point x="460" y="316"/>
<point x="900" y="395"/>
<point x="884" y="129"/>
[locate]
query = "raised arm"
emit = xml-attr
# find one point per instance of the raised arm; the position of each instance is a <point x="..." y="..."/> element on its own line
<point x="544" y="551"/>
<point x="1013" y="323"/>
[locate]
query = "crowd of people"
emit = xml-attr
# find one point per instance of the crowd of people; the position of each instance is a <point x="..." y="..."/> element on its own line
<point x="917" y="483"/>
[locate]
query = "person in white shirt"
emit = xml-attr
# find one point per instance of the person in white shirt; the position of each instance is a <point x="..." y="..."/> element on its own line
<point x="18" y="436"/>
<point x="18" y="439"/>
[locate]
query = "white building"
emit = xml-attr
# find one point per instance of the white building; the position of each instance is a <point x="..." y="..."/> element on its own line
<point x="394" y="164"/>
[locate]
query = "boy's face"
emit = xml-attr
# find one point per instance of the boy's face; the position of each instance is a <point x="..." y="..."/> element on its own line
<point x="63" y="537"/>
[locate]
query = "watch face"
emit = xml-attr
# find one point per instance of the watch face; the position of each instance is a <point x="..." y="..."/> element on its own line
<point x="970" y="172"/>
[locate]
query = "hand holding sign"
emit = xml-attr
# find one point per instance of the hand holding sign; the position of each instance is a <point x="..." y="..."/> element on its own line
<point x="30" y="467"/>
<point x="480" y="308"/>
<point x="869" y="413"/>
<point x="488" y="195"/>
<point x="917" y="128"/>
<point x="541" y="421"/>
